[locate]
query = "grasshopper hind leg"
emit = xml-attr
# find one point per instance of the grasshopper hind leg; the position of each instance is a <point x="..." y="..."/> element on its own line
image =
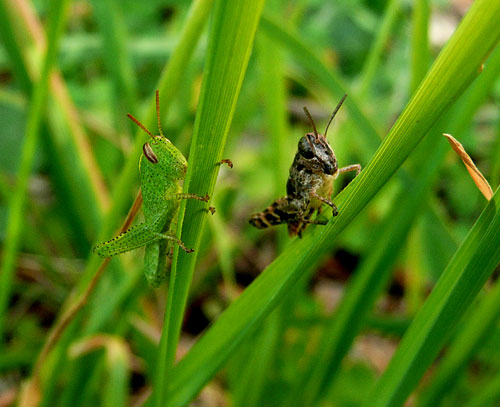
<point x="157" y="261"/>
<point x="273" y="215"/>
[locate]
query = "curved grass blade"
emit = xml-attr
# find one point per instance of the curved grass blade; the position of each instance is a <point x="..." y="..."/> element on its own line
<point x="474" y="333"/>
<point x="376" y="268"/>
<point x="466" y="273"/>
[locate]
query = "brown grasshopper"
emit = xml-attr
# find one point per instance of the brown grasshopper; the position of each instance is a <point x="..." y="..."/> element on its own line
<point x="310" y="184"/>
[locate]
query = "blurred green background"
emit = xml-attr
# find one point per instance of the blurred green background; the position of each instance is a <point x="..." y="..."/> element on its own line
<point x="70" y="193"/>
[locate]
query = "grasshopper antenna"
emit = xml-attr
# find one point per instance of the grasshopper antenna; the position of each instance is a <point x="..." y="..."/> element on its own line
<point x="335" y="112"/>
<point x="311" y="120"/>
<point x="140" y="124"/>
<point x="158" y="112"/>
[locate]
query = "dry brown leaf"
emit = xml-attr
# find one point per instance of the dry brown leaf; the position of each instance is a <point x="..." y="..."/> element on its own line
<point x="30" y="394"/>
<point x="475" y="174"/>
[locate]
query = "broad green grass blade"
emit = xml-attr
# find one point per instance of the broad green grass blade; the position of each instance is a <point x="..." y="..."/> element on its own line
<point x="467" y="272"/>
<point x="376" y="268"/>
<point x="230" y="44"/>
<point x="35" y="116"/>
<point x="468" y="341"/>
<point x="456" y="67"/>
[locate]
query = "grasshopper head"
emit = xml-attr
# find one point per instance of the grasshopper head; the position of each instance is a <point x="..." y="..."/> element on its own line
<point x="164" y="157"/>
<point x="314" y="148"/>
<point x="160" y="155"/>
<point x="317" y="154"/>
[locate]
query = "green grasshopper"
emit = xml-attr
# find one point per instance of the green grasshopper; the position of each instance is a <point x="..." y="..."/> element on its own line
<point x="162" y="167"/>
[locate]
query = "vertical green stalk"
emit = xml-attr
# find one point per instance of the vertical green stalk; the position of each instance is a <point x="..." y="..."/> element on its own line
<point x="35" y="115"/>
<point x="13" y="50"/>
<point x="170" y="78"/>
<point x="229" y="48"/>
<point x="420" y="54"/>
<point x="373" y="59"/>
<point x="116" y="57"/>
<point x="275" y="116"/>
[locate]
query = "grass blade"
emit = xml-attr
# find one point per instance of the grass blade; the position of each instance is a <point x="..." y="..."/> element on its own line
<point x="35" y="116"/>
<point x="462" y="349"/>
<point x="420" y="54"/>
<point x="117" y="59"/>
<point x="13" y="49"/>
<point x="170" y="78"/>
<point x="230" y="44"/>
<point x="330" y="80"/>
<point x="376" y="268"/>
<point x="456" y="289"/>
<point x="369" y="70"/>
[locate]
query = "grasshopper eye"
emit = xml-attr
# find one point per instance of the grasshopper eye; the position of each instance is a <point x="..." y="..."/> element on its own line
<point x="149" y="153"/>
<point x="306" y="147"/>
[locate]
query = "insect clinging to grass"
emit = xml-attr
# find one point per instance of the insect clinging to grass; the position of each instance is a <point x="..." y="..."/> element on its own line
<point x="310" y="183"/>
<point x="162" y="167"/>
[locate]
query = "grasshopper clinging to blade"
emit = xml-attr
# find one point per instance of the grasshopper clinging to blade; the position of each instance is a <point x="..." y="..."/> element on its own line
<point x="309" y="186"/>
<point x="162" y="167"/>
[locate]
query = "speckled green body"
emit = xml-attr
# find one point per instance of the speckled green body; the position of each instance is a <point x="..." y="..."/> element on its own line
<point x="162" y="166"/>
